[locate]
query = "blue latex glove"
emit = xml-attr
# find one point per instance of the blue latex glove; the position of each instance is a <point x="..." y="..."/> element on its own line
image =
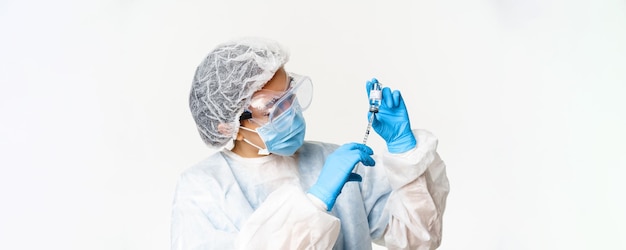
<point x="392" y="121"/>
<point x="337" y="169"/>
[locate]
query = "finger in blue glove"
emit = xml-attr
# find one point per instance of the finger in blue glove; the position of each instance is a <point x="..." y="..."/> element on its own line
<point x="337" y="169"/>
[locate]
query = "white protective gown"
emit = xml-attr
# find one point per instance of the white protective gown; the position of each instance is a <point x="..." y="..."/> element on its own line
<point x="230" y="202"/>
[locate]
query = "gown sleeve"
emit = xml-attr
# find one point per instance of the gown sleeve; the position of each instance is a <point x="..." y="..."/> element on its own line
<point x="418" y="198"/>
<point x="289" y="219"/>
<point x="204" y="218"/>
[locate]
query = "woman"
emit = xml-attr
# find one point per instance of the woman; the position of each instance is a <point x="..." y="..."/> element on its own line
<point x="267" y="188"/>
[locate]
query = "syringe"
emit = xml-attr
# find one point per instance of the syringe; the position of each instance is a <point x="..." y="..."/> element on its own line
<point x="376" y="96"/>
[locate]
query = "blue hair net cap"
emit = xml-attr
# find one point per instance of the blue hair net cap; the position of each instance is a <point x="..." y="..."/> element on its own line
<point x="225" y="81"/>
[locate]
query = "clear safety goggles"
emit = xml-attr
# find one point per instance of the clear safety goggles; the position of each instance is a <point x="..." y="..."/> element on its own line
<point x="266" y="106"/>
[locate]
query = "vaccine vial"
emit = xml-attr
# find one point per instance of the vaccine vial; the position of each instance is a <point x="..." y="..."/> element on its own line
<point x="376" y="95"/>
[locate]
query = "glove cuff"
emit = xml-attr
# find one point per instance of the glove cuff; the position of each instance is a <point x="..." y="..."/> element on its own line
<point x="402" y="144"/>
<point x="326" y="197"/>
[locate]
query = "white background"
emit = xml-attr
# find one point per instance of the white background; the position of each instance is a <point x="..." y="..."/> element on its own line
<point x="526" y="97"/>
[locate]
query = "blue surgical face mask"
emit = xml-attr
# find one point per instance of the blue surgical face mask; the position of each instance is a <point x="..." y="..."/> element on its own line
<point x="284" y="142"/>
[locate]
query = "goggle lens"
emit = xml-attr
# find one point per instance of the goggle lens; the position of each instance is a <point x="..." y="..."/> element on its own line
<point x="266" y="106"/>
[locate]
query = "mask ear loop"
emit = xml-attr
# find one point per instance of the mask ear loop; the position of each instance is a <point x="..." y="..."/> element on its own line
<point x="262" y="151"/>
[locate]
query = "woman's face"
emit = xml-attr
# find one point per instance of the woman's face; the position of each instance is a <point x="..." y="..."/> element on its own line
<point x="278" y="83"/>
